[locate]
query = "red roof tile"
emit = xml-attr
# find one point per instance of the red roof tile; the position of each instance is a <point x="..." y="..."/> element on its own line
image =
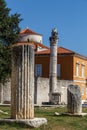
<point x="64" y="50"/>
<point x="43" y="52"/>
<point x="60" y="50"/>
<point x="28" y="31"/>
<point x="41" y="45"/>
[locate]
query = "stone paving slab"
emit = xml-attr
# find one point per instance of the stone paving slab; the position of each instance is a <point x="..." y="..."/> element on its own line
<point x="69" y="114"/>
<point x="79" y="115"/>
<point x="35" y="122"/>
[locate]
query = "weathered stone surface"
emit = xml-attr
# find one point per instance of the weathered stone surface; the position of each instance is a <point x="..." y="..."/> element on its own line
<point x="53" y="65"/>
<point x="35" y="122"/>
<point x="74" y="104"/>
<point x="75" y="114"/>
<point x="41" y="91"/>
<point x="22" y="82"/>
<point x="57" y="114"/>
<point x="55" y="98"/>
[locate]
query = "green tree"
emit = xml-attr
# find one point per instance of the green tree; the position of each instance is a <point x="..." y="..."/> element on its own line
<point x="5" y="63"/>
<point x="9" y="30"/>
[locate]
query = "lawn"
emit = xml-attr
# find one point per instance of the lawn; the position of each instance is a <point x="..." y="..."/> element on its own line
<point x="54" y="122"/>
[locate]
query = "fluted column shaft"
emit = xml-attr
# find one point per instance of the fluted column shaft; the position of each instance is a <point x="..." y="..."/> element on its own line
<point x="22" y="82"/>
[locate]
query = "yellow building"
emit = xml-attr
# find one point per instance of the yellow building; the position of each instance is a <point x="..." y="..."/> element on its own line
<point x="71" y="66"/>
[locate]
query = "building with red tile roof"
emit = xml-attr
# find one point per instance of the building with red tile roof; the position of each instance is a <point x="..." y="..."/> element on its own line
<point x="60" y="50"/>
<point x="28" y="31"/>
<point x="71" y="66"/>
<point x="32" y="38"/>
<point x="28" y="35"/>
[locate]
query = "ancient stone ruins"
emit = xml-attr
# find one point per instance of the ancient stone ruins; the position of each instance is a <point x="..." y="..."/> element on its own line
<point x="22" y="87"/>
<point x="22" y="82"/>
<point x="53" y="94"/>
<point x="74" y="104"/>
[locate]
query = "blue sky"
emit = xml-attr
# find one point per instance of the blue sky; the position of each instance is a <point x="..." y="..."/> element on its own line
<point x="68" y="16"/>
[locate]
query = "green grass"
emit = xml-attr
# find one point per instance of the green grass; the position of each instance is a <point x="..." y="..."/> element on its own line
<point x="54" y="122"/>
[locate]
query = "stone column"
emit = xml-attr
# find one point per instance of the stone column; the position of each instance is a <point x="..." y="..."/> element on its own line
<point x="22" y="82"/>
<point x="74" y="104"/>
<point x="53" y="65"/>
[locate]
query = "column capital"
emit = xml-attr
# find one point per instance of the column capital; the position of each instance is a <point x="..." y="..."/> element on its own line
<point x="54" y="37"/>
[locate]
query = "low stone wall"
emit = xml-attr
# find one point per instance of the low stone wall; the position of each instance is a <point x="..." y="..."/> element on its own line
<point x="41" y="91"/>
<point x="5" y="93"/>
<point x="62" y="87"/>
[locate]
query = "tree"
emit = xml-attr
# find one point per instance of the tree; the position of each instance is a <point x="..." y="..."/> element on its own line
<point x="9" y="30"/>
<point x="5" y="63"/>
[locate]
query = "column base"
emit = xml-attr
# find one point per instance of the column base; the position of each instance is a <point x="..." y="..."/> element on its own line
<point x="35" y="122"/>
<point x="55" y="98"/>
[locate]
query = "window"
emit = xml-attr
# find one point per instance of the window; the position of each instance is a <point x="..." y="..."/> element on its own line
<point x="83" y="70"/>
<point x="77" y="69"/>
<point x="82" y="90"/>
<point x="58" y="70"/>
<point x="38" y="70"/>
